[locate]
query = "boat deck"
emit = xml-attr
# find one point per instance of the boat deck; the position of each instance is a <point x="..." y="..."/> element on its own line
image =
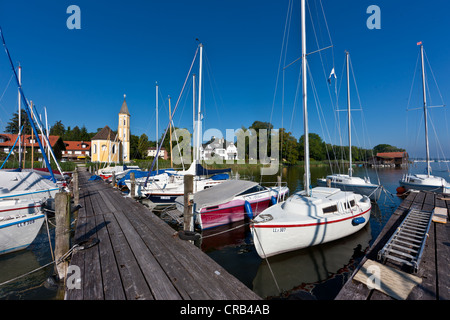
<point x="431" y="282"/>
<point x="139" y="256"/>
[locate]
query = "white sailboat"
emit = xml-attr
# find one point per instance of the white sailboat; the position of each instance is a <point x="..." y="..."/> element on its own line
<point x="163" y="188"/>
<point x="425" y="182"/>
<point x="20" y="222"/>
<point x="312" y="216"/>
<point x="347" y="182"/>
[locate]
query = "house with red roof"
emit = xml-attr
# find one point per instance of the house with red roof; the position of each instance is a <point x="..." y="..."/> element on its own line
<point x="392" y="159"/>
<point x="76" y="150"/>
<point x="7" y="141"/>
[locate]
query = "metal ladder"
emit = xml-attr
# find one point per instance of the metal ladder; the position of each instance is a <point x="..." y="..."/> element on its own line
<point x="408" y="241"/>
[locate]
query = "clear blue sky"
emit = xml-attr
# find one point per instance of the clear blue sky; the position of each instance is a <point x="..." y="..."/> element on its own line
<point x="124" y="47"/>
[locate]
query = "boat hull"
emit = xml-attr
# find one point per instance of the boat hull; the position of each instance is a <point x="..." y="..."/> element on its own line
<point x="19" y="225"/>
<point x="424" y="187"/>
<point x="275" y="238"/>
<point x="231" y="212"/>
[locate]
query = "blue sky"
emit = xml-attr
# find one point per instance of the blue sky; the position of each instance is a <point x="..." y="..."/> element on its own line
<point x="124" y="47"/>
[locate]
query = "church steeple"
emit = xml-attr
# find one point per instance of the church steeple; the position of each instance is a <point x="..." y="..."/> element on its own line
<point x="124" y="109"/>
<point x="124" y="131"/>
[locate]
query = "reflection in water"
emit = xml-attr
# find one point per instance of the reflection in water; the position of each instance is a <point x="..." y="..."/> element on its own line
<point x="310" y="265"/>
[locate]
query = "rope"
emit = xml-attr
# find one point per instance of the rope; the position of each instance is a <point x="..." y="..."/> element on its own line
<point x="63" y="257"/>
<point x="268" y="264"/>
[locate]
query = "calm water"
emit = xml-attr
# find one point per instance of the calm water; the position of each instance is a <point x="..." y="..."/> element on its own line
<point x="318" y="272"/>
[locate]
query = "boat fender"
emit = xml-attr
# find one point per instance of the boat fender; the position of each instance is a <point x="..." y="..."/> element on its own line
<point x="273" y="200"/>
<point x="248" y="209"/>
<point x="400" y="190"/>
<point x="358" y="221"/>
<point x="189" y="235"/>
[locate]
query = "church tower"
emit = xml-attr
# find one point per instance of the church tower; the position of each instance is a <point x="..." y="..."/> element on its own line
<point x="124" y="131"/>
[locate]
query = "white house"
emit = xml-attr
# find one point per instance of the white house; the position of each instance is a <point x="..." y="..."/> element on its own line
<point x="219" y="148"/>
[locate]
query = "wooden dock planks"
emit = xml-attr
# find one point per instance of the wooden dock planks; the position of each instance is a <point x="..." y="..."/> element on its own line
<point x="433" y="268"/>
<point x="139" y="256"/>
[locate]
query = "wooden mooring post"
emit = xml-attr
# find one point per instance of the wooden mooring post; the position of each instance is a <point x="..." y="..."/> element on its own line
<point x="62" y="231"/>
<point x="188" y="202"/>
<point x="133" y="185"/>
<point x="75" y="187"/>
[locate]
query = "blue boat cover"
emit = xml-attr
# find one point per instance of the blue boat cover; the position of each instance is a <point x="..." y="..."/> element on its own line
<point x="141" y="174"/>
<point x="221" y="176"/>
<point x="200" y="171"/>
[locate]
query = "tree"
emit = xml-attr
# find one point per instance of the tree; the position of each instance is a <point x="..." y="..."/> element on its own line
<point x="58" y="129"/>
<point x="289" y="147"/>
<point x="386" y="148"/>
<point x="13" y="124"/>
<point x="142" y="146"/>
<point x="317" y="148"/>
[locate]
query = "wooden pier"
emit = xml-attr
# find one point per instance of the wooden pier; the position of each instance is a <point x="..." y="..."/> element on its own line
<point x="431" y="282"/>
<point x="138" y="256"/>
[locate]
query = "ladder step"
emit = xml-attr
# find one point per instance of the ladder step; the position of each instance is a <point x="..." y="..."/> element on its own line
<point x="399" y="260"/>
<point x="406" y="243"/>
<point x="403" y="248"/>
<point x="401" y="253"/>
<point x="409" y="239"/>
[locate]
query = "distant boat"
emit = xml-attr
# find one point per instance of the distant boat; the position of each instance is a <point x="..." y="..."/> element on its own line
<point x="164" y="188"/>
<point x="312" y="216"/>
<point x="232" y="201"/>
<point x="425" y="182"/>
<point x="20" y="222"/>
<point x="347" y="182"/>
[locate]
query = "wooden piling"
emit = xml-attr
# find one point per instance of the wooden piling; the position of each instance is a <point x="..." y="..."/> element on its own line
<point x="113" y="179"/>
<point x="188" y="202"/>
<point x="62" y="231"/>
<point x="75" y="187"/>
<point x="133" y="185"/>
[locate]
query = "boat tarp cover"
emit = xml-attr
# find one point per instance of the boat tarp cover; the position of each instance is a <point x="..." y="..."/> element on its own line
<point x="219" y="194"/>
<point x="200" y="171"/>
<point x="19" y="181"/>
<point x="143" y="174"/>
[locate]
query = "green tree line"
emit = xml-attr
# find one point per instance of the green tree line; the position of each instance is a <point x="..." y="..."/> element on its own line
<point x="291" y="149"/>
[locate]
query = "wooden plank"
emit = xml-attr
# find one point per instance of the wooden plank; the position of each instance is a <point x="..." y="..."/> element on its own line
<point x="138" y="251"/>
<point x="112" y="284"/>
<point x="178" y="263"/>
<point x="133" y="281"/>
<point x="180" y="277"/>
<point x="392" y="282"/>
<point x="92" y="282"/>
<point x="160" y="285"/>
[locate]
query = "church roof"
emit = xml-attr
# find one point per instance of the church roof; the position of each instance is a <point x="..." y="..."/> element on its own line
<point x="124" y="109"/>
<point x="105" y="134"/>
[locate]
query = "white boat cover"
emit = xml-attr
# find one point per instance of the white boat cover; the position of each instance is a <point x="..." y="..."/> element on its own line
<point x="219" y="194"/>
<point x="20" y="181"/>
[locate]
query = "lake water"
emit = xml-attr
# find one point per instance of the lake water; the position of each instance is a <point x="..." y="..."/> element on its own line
<point x="313" y="273"/>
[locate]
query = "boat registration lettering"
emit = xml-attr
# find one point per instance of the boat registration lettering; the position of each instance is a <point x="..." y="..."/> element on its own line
<point x="165" y="198"/>
<point x="279" y="230"/>
<point x="25" y="223"/>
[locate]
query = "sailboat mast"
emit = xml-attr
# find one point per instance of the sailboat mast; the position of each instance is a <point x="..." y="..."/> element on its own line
<point x="20" y="117"/>
<point x="193" y="106"/>
<point x="349" y="117"/>
<point x="305" y="107"/>
<point x="170" y="131"/>
<point x="197" y="151"/>
<point x="425" y="111"/>
<point x="157" y="137"/>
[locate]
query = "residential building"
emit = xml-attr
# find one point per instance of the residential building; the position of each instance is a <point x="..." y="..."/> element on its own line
<point x="76" y="150"/>
<point x="7" y="141"/>
<point x="151" y="152"/>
